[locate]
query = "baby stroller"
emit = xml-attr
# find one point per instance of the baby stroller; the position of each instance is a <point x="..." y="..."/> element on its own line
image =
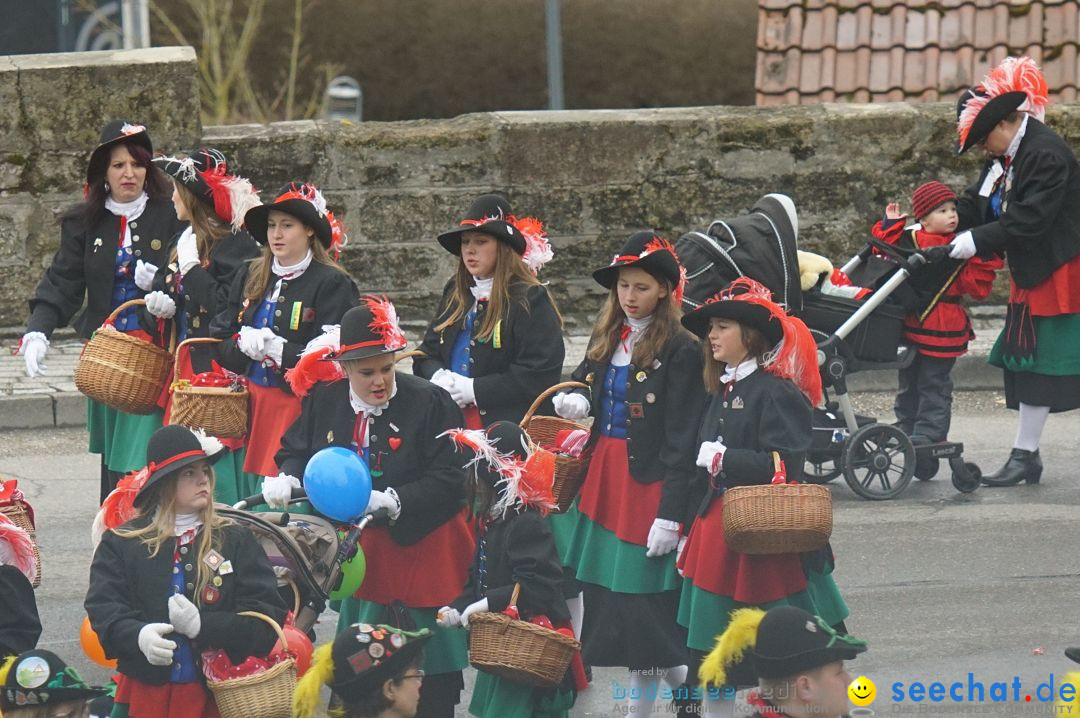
<point x="877" y="460"/>
<point x="305" y="551"/>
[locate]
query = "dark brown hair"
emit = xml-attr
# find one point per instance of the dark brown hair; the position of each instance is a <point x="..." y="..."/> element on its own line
<point x="90" y="211"/>
<point x="375" y="703"/>
<point x="756" y="344"/>
<point x="208" y="227"/>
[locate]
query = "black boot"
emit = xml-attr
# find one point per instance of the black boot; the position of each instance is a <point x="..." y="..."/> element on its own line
<point x="1023" y="465"/>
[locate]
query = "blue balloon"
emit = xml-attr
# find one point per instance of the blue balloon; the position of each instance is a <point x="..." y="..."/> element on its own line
<point x="338" y="483"/>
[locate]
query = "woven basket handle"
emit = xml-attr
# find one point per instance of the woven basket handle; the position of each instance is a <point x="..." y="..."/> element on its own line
<point x="515" y="594"/>
<point x="779" y="470"/>
<point x="195" y="340"/>
<point x="273" y="624"/>
<point x="139" y="303"/>
<point x="550" y="391"/>
<point x="409" y="355"/>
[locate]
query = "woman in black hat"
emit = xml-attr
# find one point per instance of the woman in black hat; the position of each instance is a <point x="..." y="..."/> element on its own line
<point x="496" y="340"/>
<point x="111" y="245"/>
<point x="170" y="583"/>
<point x="353" y="398"/>
<point x="645" y="396"/>
<point x="1024" y="207"/>
<point x="762" y="377"/>
<point x="373" y="670"/>
<point x="509" y="486"/>
<point x="203" y="262"/>
<point x="277" y="304"/>
<point x="38" y="684"/>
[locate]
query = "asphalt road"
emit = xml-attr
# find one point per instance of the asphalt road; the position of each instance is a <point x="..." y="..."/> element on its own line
<point x="941" y="584"/>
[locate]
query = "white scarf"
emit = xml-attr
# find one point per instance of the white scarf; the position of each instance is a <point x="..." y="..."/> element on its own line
<point x="359" y="406"/>
<point x="186" y="522"/>
<point x="625" y="348"/>
<point x="129" y="210"/>
<point x="740" y="371"/>
<point x="288" y="272"/>
<point x="998" y="167"/>
<point x="482" y="290"/>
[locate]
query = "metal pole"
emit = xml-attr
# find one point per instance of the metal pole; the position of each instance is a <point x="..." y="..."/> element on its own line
<point x="554" y="56"/>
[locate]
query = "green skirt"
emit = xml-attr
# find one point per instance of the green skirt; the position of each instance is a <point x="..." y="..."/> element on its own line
<point x="120" y="438"/>
<point x="562" y="529"/>
<point x="705" y="614"/>
<point x="600" y="557"/>
<point x="446" y="652"/>
<point x="495" y="697"/>
<point x="1057" y="347"/>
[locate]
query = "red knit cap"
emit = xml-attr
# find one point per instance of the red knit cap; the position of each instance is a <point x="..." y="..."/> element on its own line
<point x="929" y="197"/>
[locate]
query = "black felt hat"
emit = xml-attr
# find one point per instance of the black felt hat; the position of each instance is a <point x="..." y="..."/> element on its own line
<point x="791" y="640"/>
<point x="115" y="132"/>
<point x="369" y="329"/>
<point x="742" y="301"/>
<point x="366" y="656"/>
<point x="305" y="202"/>
<point x="205" y="173"/>
<point x="489" y="214"/>
<point x="646" y="250"/>
<point x="41" y="678"/>
<point x="996" y="109"/>
<point x="170" y="449"/>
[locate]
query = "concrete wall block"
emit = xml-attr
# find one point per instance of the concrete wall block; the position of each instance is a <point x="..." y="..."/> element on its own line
<point x="26" y="411"/>
<point x="70" y="409"/>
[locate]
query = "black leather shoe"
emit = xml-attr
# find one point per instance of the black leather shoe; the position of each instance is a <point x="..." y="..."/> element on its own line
<point x="1073" y="654"/>
<point x="1023" y="465"/>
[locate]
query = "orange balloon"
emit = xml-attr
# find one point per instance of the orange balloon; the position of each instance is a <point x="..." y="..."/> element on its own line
<point x="92" y="646"/>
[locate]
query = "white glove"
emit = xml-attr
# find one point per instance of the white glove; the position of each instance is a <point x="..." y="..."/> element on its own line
<point x="184" y="615"/>
<point x="274" y="346"/>
<point x="144" y="275"/>
<point x="444" y="378"/>
<point x="160" y="304"/>
<point x="33" y="348"/>
<point x="707" y="453"/>
<point x="385" y="500"/>
<point x="277" y="490"/>
<point x="479" y="607"/>
<point x="571" y="406"/>
<point x="962" y="246"/>
<point x="449" y="617"/>
<point x="251" y="342"/>
<point x="678" y="554"/>
<point x="462" y="391"/>
<point x="153" y="644"/>
<point x="187" y="252"/>
<point x="663" y="538"/>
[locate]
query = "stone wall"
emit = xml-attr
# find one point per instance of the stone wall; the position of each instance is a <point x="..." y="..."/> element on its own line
<point x="593" y="176"/>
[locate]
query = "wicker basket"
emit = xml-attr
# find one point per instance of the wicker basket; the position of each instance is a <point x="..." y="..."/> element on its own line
<point x="20" y="516"/>
<point x="519" y="651"/>
<point x="267" y="694"/>
<point x="219" y="411"/>
<point x="569" y="471"/>
<point x="777" y="518"/>
<point x="123" y="372"/>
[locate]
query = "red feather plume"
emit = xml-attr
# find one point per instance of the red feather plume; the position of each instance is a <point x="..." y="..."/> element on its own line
<point x="311" y="369"/>
<point x="384" y="322"/>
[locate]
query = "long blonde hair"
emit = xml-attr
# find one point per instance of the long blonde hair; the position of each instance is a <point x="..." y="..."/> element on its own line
<point x="209" y="229"/>
<point x="509" y="271"/>
<point x="661" y="329"/>
<point x="162" y="528"/>
<point x="260" y="268"/>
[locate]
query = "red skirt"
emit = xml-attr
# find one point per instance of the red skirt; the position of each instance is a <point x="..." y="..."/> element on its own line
<point x="709" y="564"/>
<point x="1059" y="294"/>
<point x="171" y="700"/>
<point x="431" y="572"/>
<point x="273" y="411"/>
<point x="612" y="498"/>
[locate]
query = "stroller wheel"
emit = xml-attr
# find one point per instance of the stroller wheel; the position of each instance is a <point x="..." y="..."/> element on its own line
<point x="966" y="476"/>
<point x="878" y="461"/>
<point x="926" y="469"/>
<point x="820" y="470"/>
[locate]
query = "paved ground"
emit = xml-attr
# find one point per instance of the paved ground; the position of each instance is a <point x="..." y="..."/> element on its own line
<point x="941" y="584"/>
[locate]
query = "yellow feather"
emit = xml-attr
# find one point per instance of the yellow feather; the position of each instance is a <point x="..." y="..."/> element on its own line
<point x="1070" y="707"/>
<point x="306" y="695"/>
<point x="731" y="645"/>
<point x="5" y="667"/>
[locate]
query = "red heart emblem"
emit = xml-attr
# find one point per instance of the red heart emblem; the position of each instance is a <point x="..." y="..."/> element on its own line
<point x="394" y="441"/>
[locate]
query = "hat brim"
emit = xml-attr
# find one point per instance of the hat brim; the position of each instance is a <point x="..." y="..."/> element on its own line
<point x="176" y="171"/>
<point x="996" y="110"/>
<point x="256" y="219"/>
<point x="742" y="312"/>
<point x="54" y="695"/>
<point x="141" y="138"/>
<point x="660" y="265"/>
<point x="359" y="353"/>
<point x="154" y="480"/>
<point x="451" y="241"/>
<point x="361" y="684"/>
<point x="785" y="666"/>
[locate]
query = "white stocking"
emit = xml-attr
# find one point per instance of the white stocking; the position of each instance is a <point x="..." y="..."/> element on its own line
<point x="719" y="707"/>
<point x="576" y="606"/>
<point x="674" y="676"/>
<point x="1029" y="429"/>
<point x="645" y="688"/>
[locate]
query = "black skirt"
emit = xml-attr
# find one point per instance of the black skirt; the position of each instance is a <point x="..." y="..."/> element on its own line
<point x="1060" y="393"/>
<point x="634" y="630"/>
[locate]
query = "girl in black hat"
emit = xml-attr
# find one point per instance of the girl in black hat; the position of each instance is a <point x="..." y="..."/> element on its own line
<point x="354" y="398"/>
<point x="111" y="245"/>
<point x="373" y="670"/>
<point x="277" y="304"/>
<point x="496" y="341"/>
<point x="1024" y="207"/>
<point x="645" y="396"/>
<point x="762" y="377"/>
<point x="203" y="262"/>
<point x="38" y="684"/>
<point x="170" y="583"/>
<point x="510" y="487"/>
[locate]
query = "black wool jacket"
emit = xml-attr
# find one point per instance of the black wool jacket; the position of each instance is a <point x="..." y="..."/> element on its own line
<point x="84" y="266"/>
<point x="20" y="625"/>
<point x="403" y="451"/>
<point x="129" y="589"/>
<point x="511" y="369"/>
